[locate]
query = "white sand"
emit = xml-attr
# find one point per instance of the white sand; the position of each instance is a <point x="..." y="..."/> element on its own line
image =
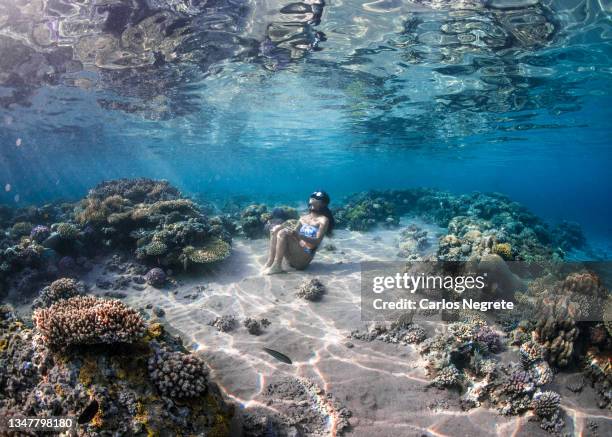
<point x="383" y="385"/>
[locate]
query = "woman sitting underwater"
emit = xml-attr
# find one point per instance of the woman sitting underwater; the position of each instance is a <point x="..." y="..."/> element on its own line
<point x="299" y="245"/>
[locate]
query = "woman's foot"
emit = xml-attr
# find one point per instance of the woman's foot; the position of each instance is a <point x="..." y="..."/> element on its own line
<point x="273" y="270"/>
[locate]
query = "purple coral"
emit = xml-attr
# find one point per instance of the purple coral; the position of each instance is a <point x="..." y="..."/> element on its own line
<point x="39" y="233"/>
<point x="155" y="277"/>
<point x="490" y="337"/>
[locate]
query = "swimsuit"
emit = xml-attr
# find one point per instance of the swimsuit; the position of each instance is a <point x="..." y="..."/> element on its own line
<point x="309" y="231"/>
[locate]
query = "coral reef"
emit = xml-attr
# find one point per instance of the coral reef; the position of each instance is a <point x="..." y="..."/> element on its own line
<point x="311" y="289"/>
<point x="447" y="377"/>
<point x="88" y="320"/>
<point x="255" y="220"/>
<point x="114" y="379"/>
<point x="598" y="368"/>
<point x="476" y="222"/>
<point x="151" y="218"/>
<point x="412" y="242"/>
<point x="363" y="211"/>
<point x="558" y="309"/>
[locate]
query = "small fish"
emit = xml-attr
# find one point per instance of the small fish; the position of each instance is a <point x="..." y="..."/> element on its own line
<point x="280" y="357"/>
<point x="88" y="413"/>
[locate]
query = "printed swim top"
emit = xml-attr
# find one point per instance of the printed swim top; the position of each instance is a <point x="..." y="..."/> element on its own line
<point x="309" y="231"/>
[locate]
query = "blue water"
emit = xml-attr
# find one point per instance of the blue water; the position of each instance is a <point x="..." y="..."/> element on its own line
<point x="274" y="99"/>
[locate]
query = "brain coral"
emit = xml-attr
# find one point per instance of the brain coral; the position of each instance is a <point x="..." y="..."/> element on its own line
<point x="88" y="320"/>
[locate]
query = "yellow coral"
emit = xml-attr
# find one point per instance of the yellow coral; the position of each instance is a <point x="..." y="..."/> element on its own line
<point x="504" y="250"/>
<point x="215" y="250"/>
<point x="88" y="371"/>
<point x="155" y="330"/>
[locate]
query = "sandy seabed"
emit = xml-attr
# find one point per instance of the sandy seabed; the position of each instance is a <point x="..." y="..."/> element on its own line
<point x="383" y="385"/>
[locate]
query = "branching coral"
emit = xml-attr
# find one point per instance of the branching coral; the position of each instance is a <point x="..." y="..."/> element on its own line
<point x="178" y="375"/>
<point x="88" y="320"/>
<point x="311" y="289"/>
<point x="63" y="288"/>
<point x="546" y="403"/>
<point x="447" y="377"/>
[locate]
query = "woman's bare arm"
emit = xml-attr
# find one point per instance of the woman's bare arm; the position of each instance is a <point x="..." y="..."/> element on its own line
<point x="320" y="234"/>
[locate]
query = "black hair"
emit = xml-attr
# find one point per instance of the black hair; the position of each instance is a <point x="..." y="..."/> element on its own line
<point x="324" y="197"/>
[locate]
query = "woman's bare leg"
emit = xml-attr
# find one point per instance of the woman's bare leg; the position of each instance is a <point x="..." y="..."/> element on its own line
<point x="272" y="252"/>
<point x="281" y="250"/>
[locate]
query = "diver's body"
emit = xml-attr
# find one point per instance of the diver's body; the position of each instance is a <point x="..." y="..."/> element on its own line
<point x="300" y="244"/>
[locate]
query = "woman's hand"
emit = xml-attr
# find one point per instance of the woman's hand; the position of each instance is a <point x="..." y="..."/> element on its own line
<point x="275" y="228"/>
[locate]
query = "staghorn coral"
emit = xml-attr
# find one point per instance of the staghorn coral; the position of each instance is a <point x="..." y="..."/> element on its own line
<point x="225" y="323"/>
<point x="178" y="375"/>
<point x="88" y="320"/>
<point x="63" y="288"/>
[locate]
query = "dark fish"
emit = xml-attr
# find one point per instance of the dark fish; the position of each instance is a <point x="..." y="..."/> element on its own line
<point x="88" y="413"/>
<point x="280" y="357"/>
